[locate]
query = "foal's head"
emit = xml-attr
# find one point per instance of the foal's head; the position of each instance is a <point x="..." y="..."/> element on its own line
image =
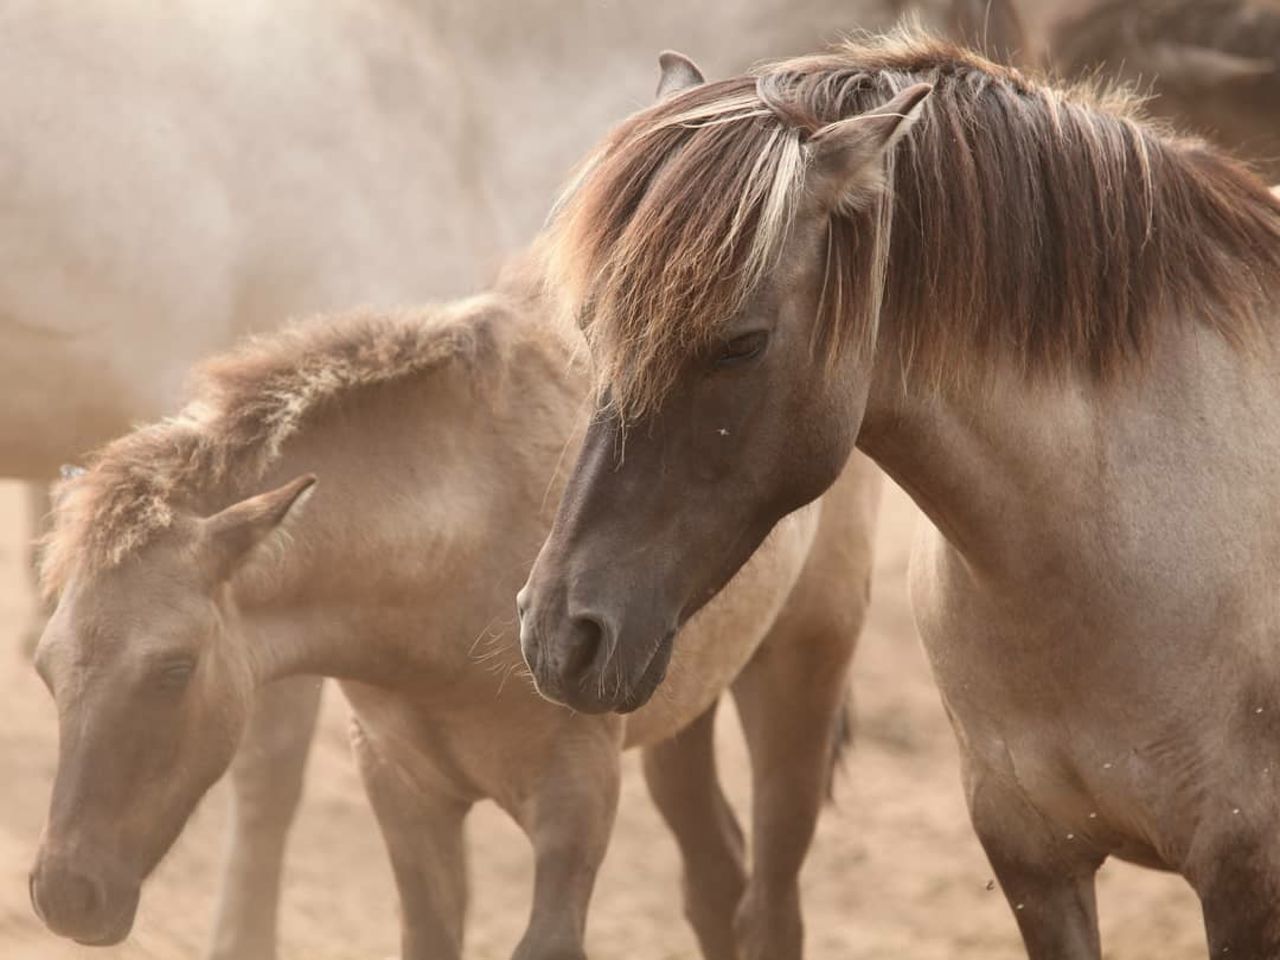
<point x="698" y="248"/>
<point x="153" y="684"/>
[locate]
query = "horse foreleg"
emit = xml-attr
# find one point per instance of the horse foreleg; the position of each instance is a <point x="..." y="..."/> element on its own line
<point x="423" y="833"/>
<point x="266" y="777"/>
<point x="1046" y="874"/>
<point x="568" y="820"/>
<point x="791" y="699"/>
<point x="1238" y="881"/>
<point x="39" y="507"/>
<point x="681" y="775"/>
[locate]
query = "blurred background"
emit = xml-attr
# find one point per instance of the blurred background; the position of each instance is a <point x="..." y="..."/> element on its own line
<point x="175" y="175"/>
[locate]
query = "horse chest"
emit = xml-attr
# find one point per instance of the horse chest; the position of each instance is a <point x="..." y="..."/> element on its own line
<point x="1124" y="725"/>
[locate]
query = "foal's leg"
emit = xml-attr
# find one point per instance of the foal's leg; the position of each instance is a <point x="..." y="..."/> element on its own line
<point x="39" y="506"/>
<point x="266" y="778"/>
<point x="569" y="819"/>
<point x="791" y="699"/>
<point x="423" y="832"/>
<point x="1046" y="874"/>
<point x="681" y="774"/>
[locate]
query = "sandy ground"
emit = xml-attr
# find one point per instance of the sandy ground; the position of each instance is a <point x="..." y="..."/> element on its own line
<point x="896" y="873"/>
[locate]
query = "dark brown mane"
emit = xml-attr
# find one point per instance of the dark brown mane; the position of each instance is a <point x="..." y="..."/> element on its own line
<point x="246" y="405"/>
<point x="1047" y="228"/>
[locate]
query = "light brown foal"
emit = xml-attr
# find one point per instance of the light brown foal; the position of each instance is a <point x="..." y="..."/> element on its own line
<point x="410" y="464"/>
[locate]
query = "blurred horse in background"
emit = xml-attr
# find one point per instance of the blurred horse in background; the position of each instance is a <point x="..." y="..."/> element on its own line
<point x="1211" y="66"/>
<point x="172" y="180"/>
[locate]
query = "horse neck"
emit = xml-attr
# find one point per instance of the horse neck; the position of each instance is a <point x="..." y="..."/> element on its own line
<point x="433" y="498"/>
<point x="1024" y="477"/>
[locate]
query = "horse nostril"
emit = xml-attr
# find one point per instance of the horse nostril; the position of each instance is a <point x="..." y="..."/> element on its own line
<point x="82" y="896"/>
<point x="588" y="637"/>
<point x="68" y="898"/>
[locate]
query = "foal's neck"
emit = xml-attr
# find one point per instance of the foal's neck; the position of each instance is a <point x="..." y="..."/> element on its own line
<point x="432" y="499"/>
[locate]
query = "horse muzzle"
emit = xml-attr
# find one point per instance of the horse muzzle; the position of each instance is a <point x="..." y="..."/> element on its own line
<point x="583" y="661"/>
<point x="80" y="904"/>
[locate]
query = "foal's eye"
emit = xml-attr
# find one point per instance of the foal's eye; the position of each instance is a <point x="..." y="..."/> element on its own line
<point x="743" y="348"/>
<point x="176" y="675"/>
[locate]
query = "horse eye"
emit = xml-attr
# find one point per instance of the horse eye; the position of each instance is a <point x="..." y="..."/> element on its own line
<point x="743" y="348"/>
<point x="176" y="675"/>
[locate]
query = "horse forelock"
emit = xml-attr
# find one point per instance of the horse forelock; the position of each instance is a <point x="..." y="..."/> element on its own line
<point x="1049" y="228"/>
<point x="676" y="217"/>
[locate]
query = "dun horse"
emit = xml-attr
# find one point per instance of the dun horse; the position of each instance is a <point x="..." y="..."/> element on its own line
<point x="359" y="499"/>
<point x="1055" y="326"/>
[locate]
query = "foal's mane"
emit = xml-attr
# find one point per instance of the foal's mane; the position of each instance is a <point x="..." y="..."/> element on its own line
<point x="1047" y="228"/>
<point x="246" y="404"/>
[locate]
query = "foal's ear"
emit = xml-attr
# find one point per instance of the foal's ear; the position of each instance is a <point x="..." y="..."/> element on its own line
<point x="679" y="73"/>
<point x="230" y="536"/>
<point x="847" y="158"/>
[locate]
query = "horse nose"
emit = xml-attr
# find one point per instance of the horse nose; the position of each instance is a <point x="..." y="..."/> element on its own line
<point x="528" y="640"/>
<point x="68" y="901"/>
<point x="586" y="648"/>
<point x="566" y="654"/>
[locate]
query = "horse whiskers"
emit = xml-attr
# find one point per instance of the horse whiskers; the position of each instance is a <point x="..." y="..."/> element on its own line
<point x="521" y="672"/>
<point x="487" y="635"/>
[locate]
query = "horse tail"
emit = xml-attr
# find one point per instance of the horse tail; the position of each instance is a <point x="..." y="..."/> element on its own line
<point x="841" y="741"/>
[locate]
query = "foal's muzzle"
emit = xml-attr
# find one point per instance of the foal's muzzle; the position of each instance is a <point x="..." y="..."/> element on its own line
<point x="75" y="903"/>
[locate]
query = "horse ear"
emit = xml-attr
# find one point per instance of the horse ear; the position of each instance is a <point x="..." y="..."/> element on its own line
<point x="847" y="158"/>
<point x="1189" y="65"/>
<point x="230" y="536"/>
<point x="679" y="73"/>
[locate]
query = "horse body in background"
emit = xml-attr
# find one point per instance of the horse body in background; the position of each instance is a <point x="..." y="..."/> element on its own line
<point x="1210" y="65"/>
<point x="436" y="440"/>
<point x="172" y="181"/>
<point x="1055" y="326"/>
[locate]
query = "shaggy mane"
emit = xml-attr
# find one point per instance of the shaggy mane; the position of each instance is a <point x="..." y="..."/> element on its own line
<point x="245" y="406"/>
<point x="1047" y="228"/>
